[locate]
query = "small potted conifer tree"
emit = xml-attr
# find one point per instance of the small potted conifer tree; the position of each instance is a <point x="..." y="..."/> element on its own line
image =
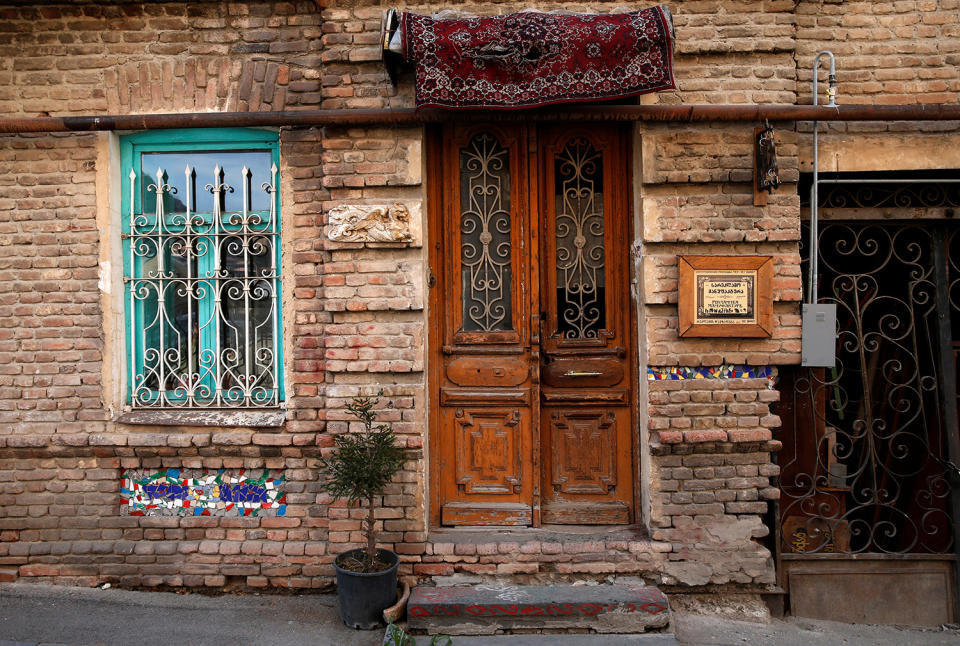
<point x="359" y="470"/>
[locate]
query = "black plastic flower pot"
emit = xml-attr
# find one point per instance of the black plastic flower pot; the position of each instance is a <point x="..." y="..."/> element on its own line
<point x="363" y="596"/>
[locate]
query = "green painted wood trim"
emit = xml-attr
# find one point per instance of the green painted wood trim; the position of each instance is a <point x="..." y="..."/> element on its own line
<point x="191" y="140"/>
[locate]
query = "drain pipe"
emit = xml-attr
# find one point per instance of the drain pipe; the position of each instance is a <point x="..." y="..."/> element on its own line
<point x="814" y="196"/>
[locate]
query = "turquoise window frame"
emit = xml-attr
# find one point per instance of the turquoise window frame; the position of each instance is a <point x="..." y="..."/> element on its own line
<point x="200" y="140"/>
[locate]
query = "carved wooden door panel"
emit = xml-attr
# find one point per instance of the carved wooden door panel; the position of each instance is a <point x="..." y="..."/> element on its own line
<point x="586" y="376"/>
<point x="529" y="240"/>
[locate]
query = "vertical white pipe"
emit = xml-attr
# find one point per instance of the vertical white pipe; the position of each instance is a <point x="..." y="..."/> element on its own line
<point x="814" y="188"/>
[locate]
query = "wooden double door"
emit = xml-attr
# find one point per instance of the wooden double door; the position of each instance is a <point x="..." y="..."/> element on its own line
<point x="531" y="363"/>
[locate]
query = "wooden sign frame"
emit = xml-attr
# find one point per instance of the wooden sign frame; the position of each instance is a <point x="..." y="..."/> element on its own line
<point x="725" y="296"/>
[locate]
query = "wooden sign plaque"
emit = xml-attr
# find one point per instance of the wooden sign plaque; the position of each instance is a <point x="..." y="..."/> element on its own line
<point x="725" y="296"/>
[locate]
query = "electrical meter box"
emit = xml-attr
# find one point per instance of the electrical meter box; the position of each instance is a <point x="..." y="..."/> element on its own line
<point x="819" y="343"/>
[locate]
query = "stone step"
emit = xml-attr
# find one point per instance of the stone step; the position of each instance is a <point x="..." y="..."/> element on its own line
<point x="488" y="609"/>
<point x="649" y="639"/>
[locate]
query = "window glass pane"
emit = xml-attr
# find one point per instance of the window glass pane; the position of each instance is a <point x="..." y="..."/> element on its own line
<point x="485" y="235"/>
<point x="174" y="165"/>
<point x="581" y="304"/>
<point x="170" y="312"/>
<point x="246" y="324"/>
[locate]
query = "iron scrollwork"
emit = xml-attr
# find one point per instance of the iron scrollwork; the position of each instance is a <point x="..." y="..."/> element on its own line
<point x="485" y="248"/>
<point x="580" y="271"/>
<point x="876" y="194"/>
<point x="866" y="468"/>
<point x="203" y="290"/>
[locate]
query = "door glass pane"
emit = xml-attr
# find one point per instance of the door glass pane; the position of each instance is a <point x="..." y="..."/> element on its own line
<point x="581" y="304"/>
<point x="485" y="235"/>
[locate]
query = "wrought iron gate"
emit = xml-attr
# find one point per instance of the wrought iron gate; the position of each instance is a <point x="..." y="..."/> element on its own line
<point x="866" y="464"/>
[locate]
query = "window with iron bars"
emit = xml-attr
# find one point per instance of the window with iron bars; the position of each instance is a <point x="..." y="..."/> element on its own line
<point x="201" y="257"/>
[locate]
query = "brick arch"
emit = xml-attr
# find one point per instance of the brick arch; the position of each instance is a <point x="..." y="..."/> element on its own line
<point x="201" y="84"/>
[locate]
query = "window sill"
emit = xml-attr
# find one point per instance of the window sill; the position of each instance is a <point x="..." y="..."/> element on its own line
<point x="241" y="418"/>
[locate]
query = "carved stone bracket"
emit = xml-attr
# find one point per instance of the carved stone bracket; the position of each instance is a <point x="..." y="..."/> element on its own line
<point x="374" y="223"/>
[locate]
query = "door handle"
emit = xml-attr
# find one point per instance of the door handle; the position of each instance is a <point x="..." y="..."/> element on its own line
<point x="582" y="373"/>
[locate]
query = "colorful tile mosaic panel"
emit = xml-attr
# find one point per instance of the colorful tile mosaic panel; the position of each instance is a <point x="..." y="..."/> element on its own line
<point x="198" y="492"/>
<point x="726" y="371"/>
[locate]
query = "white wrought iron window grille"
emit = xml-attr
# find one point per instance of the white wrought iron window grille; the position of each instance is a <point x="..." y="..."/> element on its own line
<point x="202" y="273"/>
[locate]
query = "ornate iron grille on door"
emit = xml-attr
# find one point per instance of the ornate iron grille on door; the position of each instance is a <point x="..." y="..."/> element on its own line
<point x="865" y="463"/>
<point x="485" y="235"/>
<point x="580" y="257"/>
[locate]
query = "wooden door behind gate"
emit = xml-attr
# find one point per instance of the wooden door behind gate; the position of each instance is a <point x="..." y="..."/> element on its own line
<point x="530" y="371"/>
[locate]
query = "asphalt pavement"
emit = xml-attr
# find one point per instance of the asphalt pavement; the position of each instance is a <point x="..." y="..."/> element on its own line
<point x="31" y="615"/>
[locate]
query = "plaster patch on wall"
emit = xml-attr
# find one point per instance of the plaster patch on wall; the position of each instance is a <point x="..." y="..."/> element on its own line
<point x="198" y="492"/>
<point x="103" y="279"/>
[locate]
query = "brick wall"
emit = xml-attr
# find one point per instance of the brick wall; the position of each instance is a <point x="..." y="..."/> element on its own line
<point x="305" y="315"/>
<point x="888" y="53"/>
<point x="50" y="324"/>
<point x="61" y="520"/>
<point x="712" y="446"/>
<point x="159" y="57"/>
<point x="354" y="315"/>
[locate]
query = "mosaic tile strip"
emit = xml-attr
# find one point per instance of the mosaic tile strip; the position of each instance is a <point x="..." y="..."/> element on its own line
<point x="198" y="492"/>
<point x="726" y="371"/>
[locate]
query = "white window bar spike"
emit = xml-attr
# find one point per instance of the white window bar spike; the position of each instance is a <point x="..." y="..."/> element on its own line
<point x="247" y="341"/>
<point x="271" y="190"/>
<point x="186" y="184"/>
<point x="161" y="288"/>
<point x="245" y="174"/>
<point x="189" y="287"/>
<point x="217" y="188"/>
<point x="133" y="272"/>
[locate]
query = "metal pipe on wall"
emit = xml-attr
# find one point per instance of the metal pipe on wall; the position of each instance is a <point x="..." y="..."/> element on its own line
<point x="814" y="188"/>
<point x="335" y="118"/>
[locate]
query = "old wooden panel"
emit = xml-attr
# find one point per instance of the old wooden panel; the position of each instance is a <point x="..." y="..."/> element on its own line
<point x="580" y="372"/>
<point x="587" y="477"/>
<point x="584" y="445"/>
<point x="488" y="445"/>
<point x="872" y="591"/>
<point x="586" y="513"/>
<point x="487" y="371"/>
<point x="474" y="396"/>
<point x="571" y="395"/>
<point x="479" y="513"/>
